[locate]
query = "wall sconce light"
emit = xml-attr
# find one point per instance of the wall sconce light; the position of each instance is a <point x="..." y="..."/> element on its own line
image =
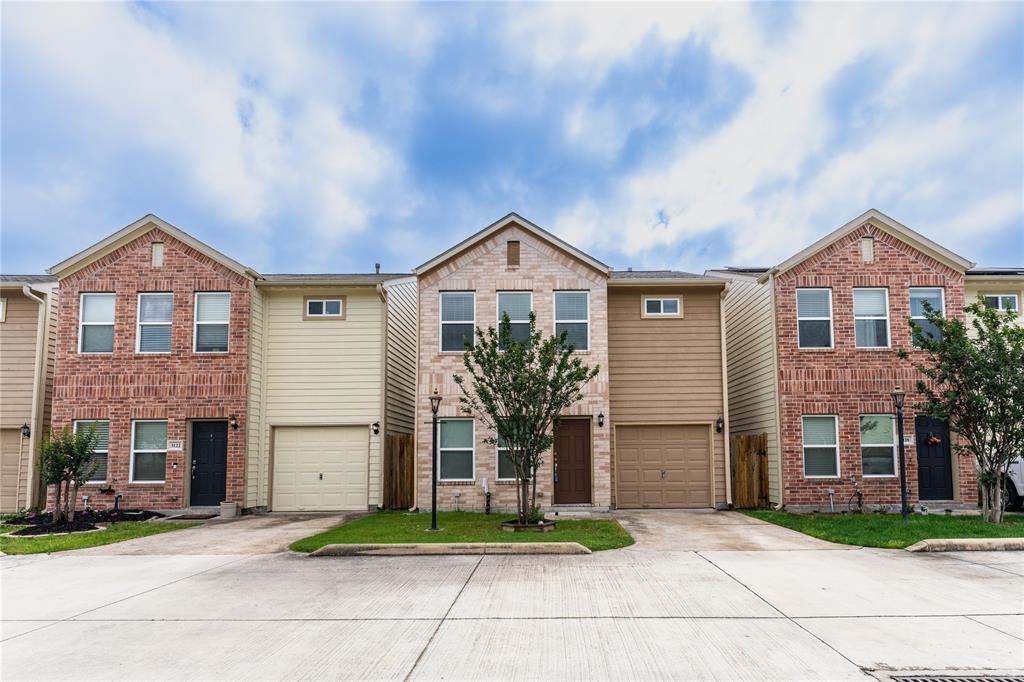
<point x="233" y="421"/>
<point x="719" y="425"/>
<point x="376" y="428"/>
<point x="25" y="430"/>
<point x="600" y="418"/>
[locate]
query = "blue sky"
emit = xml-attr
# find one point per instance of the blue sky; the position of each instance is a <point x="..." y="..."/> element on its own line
<point x="325" y="137"/>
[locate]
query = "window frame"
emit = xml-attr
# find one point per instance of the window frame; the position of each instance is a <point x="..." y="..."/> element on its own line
<point x="106" y="452"/>
<point x="497" y="464"/>
<point x="497" y="310"/>
<point x="895" y="437"/>
<point x="830" y="318"/>
<point x="999" y="302"/>
<point x="888" y="324"/>
<point x="942" y="300"/>
<point x="196" y="323"/>
<point x="441" y="321"/>
<point x="342" y="303"/>
<point x="139" y="323"/>
<point x="804" y="446"/>
<point x="662" y="299"/>
<point x="554" y="314"/>
<point x="81" y="324"/>
<point x="133" y="451"/>
<point x="441" y="450"/>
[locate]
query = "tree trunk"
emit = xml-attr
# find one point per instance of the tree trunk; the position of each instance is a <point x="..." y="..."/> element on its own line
<point x="56" y="504"/>
<point x="992" y="500"/>
<point x="533" y="492"/>
<point x="74" y="498"/>
<point x="67" y="502"/>
<point x="524" y="507"/>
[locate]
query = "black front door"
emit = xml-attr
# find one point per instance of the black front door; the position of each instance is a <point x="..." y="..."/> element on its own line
<point x="209" y="463"/>
<point x="934" y="464"/>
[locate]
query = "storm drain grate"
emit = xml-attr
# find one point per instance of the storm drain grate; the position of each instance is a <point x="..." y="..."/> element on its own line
<point x="960" y="678"/>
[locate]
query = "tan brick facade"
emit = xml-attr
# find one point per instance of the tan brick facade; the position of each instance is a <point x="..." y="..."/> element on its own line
<point x="179" y="386"/>
<point x="483" y="269"/>
<point x="847" y="381"/>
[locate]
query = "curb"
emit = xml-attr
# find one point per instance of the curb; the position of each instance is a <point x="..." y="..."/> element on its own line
<point x="968" y="545"/>
<point x="448" y="549"/>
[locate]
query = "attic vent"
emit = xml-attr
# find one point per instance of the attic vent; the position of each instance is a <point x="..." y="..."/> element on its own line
<point x="867" y="249"/>
<point x="158" y="254"/>
<point x="513" y="253"/>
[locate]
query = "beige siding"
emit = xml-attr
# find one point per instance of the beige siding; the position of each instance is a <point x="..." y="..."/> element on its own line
<point x="975" y="287"/>
<point x="400" y="382"/>
<point x="320" y="373"/>
<point x="668" y="370"/>
<point x="18" y="339"/>
<point x="255" y="477"/>
<point x="750" y="346"/>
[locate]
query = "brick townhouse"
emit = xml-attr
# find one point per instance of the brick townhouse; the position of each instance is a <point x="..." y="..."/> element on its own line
<point x="813" y="347"/>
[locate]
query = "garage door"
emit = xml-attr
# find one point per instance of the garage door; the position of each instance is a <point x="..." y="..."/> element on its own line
<point x="662" y="466"/>
<point x="10" y="440"/>
<point x="320" y="468"/>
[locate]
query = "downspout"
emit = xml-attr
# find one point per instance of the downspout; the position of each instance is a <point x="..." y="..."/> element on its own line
<point x="778" y="392"/>
<point x="38" y="393"/>
<point x="725" y="396"/>
<point x="416" y="407"/>
<point x="382" y="437"/>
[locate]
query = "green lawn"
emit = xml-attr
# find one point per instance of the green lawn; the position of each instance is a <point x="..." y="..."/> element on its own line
<point x="118" y="532"/>
<point x="398" y="527"/>
<point x="888" y="530"/>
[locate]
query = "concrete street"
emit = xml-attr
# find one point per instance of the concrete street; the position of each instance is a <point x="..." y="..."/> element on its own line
<point x="701" y="596"/>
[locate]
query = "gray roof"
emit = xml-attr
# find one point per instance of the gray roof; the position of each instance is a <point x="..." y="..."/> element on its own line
<point x="655" y="274"/>
<point x="1006" y="272"/>
<point x="28" y="279"/>
<point x="367" y="278"/>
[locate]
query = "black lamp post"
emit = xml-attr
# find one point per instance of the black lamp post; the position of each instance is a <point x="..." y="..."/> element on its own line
<point x="435" y="403"/>
<point x="898" y="399"/>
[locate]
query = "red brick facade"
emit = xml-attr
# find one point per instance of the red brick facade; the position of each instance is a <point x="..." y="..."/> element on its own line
<point x="847" y="381"/>
<point x="180" y="386"/>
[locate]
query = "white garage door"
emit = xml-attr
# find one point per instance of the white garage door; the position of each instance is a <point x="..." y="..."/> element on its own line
<point x="320" y="468"/>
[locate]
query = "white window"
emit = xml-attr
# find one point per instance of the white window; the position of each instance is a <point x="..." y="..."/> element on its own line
<point x="149" y="451"/>
<point x="458" y="319"/>
<point x="821" y="446"/>
<point x="213" y="312"/>
<point x="934" y="297"/>
<point x="814" y="318"/>
<point x="655" y="306"/>
<point x="153" y="328"/>
<point x="877" y="445"/>
<point x="506" y="471"/>
<point x="455" y="450"/>
<point x="99" y="454"/>
<point x="517" y="305"/>
<point x="1001" y="302"/>
<point x="572" y="316"/>
<point x="325" y="307"/>
<point x="871" y="317"/>
<point x="96" y="323"/>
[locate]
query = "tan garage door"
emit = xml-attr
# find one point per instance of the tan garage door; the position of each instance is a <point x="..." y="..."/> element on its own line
<point x="662" y="466"/>
<point x="10" y="499"/>
<point x="320" y="468"/>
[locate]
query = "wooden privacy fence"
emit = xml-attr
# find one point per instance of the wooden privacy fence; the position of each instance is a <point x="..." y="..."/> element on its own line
<point x="750" y="471"/>
<point x="399" y="471"/>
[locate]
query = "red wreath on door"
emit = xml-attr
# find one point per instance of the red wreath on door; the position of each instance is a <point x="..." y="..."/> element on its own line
<point x="932" y="439"/>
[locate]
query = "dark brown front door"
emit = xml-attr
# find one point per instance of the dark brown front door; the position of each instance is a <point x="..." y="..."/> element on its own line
<point x="572" y="462"/>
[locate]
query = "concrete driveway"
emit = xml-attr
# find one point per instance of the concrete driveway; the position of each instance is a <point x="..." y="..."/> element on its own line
<point x="703" y="530"/>
<point x="639" y="613"/>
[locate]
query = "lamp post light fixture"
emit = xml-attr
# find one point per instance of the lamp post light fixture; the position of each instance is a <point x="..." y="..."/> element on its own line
<point x="600" y="418"/>
<point x="435" y="404"/>
<point x="899" y="397"/>
<point x="26" y="431"/>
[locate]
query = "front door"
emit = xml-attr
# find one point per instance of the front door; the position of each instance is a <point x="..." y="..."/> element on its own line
<point x="934" y="464"/>
<point x="572" y="462"/>
<point x="209" y="463"/>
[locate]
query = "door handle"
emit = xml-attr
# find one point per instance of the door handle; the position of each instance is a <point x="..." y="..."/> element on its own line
<point x="663" y="472"/>
<point x="321" y="477"/>
<point x="193" y="470"/>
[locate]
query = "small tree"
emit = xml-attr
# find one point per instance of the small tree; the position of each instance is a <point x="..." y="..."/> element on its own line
<point x="976" y="383"/>
<point x="68" y="461"/>
<point x="519" y="389"/>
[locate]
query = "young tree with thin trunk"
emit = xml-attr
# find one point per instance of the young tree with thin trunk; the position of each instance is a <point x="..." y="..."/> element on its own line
<point x="519" y="390"/>
<point x="68" y="462"/>
<point x="975" y="381"/>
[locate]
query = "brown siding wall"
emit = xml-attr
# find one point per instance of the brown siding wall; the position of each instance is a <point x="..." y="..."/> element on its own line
<point x="18" y="336"/>
<point x="668" y="370"/>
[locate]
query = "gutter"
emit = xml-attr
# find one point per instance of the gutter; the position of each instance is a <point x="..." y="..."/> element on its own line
<point x="725" y="397"/>
<point x="38" y="393"/>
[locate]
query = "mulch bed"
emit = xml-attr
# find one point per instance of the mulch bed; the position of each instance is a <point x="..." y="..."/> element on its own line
<point x="76" y="526"/>
<point x="41" y="524"/>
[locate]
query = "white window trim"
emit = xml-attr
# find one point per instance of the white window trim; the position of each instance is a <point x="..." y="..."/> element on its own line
<point x="804" y="446"/>
<point x="554" y="314"/>
<point x="497" y="308"/>
<point x="831" y="323"/>
<point x="74" y="429"/>
<point x="645" y="299"/>
<point x="441" y="450"/>
<point x="341" y="307"/>
<point x="139" y="323"/>
<point x="895" y="463"/>
<point x="131" y="459"/>
<point x="196" y="323"/>
<point x="3" y="309"/>
<point x="112" y="323"/>
<point x="999" y="302"/>
<point x="888" y="327"/>
<point x="441" y="321"/>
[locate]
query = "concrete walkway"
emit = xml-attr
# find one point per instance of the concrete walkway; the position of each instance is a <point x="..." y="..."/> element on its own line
<point x="636" y="613"/>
